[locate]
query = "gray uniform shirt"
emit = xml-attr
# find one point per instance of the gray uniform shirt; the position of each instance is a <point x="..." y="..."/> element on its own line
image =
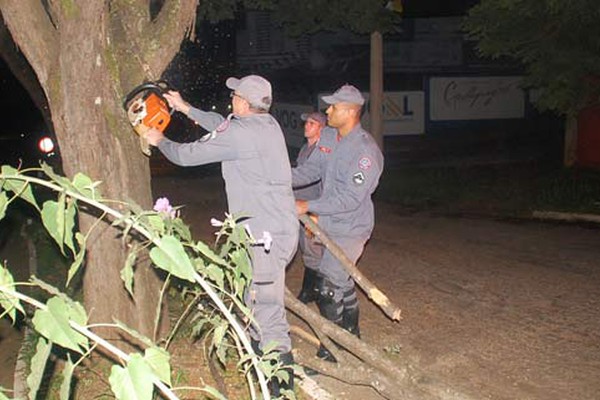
<point x="349" y="168"/>
<point x="256" y="170"/>
<point x="311" y="191"/>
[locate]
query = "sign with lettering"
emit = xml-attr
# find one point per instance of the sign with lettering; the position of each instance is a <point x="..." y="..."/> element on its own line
<point x="403" y="112"/>
<point x="476" y="98"/>
<point x="288" y="116"/>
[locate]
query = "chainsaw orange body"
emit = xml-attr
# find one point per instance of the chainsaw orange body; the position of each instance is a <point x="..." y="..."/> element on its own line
<point x="148" y="108"/>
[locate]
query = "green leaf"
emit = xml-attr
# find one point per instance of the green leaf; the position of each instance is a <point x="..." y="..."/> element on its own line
<point x="18" y="186"/>
<point x="210" y="254"/>
<point x="10" y="304"/>
<point x="70" y="214"/>
<point x="3" y="204"/>
<point x="65" y="386"/>
<point x="217" y="342"/>
<point x="216" y="274"/>
<point x="182" y="229"/>
<point x="127" y="271"/>
<point x="133" y="382"/>
<point x="157" y="223"/>
<point x="86" y="186"/>
<point x="53" y="323"/>
<point x="158" y="359"/>
<point x="79" y="257"/>
<point x="38" y="364"/>
<point x="54" y="222"/>
<point x="243" y="263"/>
<point x="60" y="180"/>
<point x="171" y="256"/>
<point x="2" y="395"/>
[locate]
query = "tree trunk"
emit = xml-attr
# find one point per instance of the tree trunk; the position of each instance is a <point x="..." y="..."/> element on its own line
<point x="376" y="88"/>
<point x="85" y="57"/>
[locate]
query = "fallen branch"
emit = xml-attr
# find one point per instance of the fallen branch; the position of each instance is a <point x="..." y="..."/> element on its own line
<point x="376" y="295"/>
<point x="567" y="217"/>
<point x="368" y="367"/>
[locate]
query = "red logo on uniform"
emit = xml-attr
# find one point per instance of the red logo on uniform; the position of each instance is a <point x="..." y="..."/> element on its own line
<point x="364" y="163"/>
<point x="324" y="149"/>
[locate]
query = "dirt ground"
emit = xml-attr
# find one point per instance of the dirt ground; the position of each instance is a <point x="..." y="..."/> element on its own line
<point x="492" y="309"/>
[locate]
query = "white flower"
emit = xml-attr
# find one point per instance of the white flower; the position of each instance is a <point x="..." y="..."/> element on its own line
<point x="216" y="223"/>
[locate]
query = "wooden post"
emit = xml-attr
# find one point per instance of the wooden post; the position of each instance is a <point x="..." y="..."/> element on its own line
<point x="376" y="88"/>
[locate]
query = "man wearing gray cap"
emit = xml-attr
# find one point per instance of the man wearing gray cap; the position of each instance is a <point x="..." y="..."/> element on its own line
<point x="348" y="163"/>
<point x="250" y="145"/>
<point x="310" y="248"/>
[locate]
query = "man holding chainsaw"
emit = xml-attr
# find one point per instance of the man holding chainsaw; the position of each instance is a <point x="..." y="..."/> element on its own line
<point x="250" y="145"/>
<point x="349" y="163"/>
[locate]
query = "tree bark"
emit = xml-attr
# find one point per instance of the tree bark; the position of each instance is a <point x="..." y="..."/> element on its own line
<point x="85" y="60"/>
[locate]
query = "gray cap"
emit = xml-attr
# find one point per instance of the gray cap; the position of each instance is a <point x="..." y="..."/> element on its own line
<point x="254" y="89"/>
<point x="317" y="116"/>
<point x="345" y="94"/>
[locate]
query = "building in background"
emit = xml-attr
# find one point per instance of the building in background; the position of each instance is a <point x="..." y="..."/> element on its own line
<point x="442" y="102"/>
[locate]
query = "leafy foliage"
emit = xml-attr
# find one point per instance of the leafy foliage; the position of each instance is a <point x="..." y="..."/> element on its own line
<point x="309" y="16"/>
<point x="557" y="41"/>
<point x="219" y="274"/>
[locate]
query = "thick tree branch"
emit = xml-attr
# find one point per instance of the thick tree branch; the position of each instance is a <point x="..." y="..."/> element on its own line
<point x="163" y="37"/>
<point x="39" y="43"/>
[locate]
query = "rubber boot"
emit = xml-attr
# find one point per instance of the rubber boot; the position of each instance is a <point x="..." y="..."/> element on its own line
<point x="329" y="309"/>
<point x="309" y="292"/>
<point x="350" y="321"/>
<point x="276" y="386"/>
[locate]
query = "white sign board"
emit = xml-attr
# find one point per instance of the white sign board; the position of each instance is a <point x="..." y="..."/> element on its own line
<point x="288" y="116"/>
<point x="403" y="113"/>
<point x="476" y="98"/>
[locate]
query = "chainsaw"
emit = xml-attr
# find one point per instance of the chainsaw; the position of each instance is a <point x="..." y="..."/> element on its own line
<point x="147" y="108"/>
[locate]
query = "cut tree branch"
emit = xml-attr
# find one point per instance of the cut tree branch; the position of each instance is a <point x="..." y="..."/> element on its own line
<point x="376" y="295"/>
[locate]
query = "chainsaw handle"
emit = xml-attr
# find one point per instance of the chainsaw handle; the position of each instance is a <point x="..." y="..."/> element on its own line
<point x="158" y="87"/>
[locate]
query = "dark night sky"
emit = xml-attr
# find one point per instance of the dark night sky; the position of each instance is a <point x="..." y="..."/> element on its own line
<point x="19" y="113"/>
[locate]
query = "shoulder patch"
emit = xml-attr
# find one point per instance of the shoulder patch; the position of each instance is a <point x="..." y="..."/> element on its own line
<point x="324" y="149"/>
<point x="223" y="125"/>
<point x="219" y="129"/>
<point x="364" y="163"/>
<point x="358" y="178"/>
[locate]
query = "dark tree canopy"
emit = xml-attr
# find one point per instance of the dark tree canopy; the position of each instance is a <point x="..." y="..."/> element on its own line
<point x="558" y="42"/>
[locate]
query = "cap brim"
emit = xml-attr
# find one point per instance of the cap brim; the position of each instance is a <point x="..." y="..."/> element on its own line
<point x="330" y="99"/>
<point x="232" y="83"/>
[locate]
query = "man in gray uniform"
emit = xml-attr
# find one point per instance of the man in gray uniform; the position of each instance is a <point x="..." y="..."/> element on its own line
<point x="250" y="145"/>
<point x="348" y="163"/>
<point x="310" y="248"/>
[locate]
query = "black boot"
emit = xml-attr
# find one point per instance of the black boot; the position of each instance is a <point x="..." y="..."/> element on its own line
<point x="309" y="291"/>
<point x="276" y="386"/>
<point x="329" y="309"/>
<point x="350" y="321"/>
